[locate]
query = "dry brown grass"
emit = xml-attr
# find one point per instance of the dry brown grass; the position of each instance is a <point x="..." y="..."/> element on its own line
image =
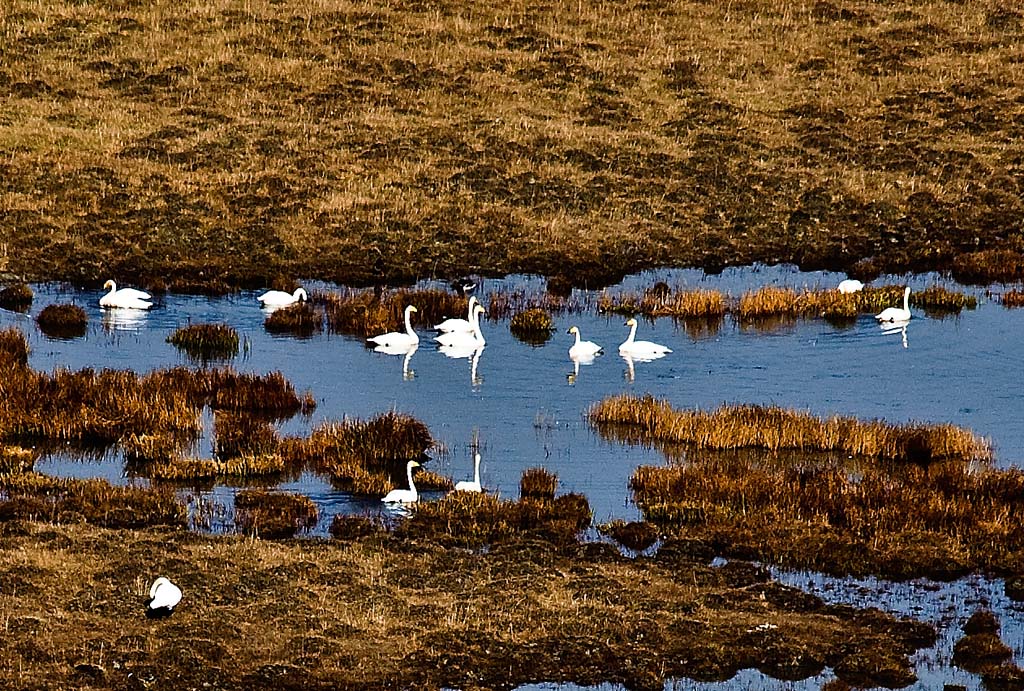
<point x="206" y="342"/>
<point x="300" y="319"/>
<point x="533" y="326"/>
<point x="366" y="313"/>
<point x="17" y="297"/>
<point x="274" y="515"/>
<point x="1013" y="298"/>
<point x="774" y="428"/>
<point x="660" y="301"/>
<point x="62" y="321"/>
<point x="13" y="348"/>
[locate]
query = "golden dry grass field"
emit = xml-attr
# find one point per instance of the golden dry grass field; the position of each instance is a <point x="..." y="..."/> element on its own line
<point x="219" y="143"/>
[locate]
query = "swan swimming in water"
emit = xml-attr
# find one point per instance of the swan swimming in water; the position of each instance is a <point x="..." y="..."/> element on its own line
<point x="464" y="339"/>
<point x="582" y="350"/>
<point x="279" y="298"/>
<point x="461" y="325"/>
<point x="404" y="496"/>
<point x="640" y="350"/>
<point x="896" y="314"/>
<point x="163" y="597"/>
<point x="398" y="339"/>
<point x="850" y="285"/>
<point x="474" y="486"/>
<point x="126" y="298"/>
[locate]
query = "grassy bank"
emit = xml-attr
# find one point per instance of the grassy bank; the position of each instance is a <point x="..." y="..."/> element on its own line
<point x="200" y="145"/>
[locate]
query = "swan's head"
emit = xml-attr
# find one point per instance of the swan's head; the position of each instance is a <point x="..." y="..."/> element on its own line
<point x="573" y="330"/>
<point x="410" y="309"/>
<point x="630" y="322"/>
<point x="479" y="309"/>
<point x="108" y="284"/>
<point x="906" y="291"/>
<point x="156" y="584"/>
<point x="300" y="294"/>
<point x="413" y="464"/>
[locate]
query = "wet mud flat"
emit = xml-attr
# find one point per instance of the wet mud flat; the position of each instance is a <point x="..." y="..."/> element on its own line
<point x="381" y="611"/>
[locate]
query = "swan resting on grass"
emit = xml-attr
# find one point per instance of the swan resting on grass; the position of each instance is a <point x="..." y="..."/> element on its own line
<point x="163" y="597"/>
<point x="279" y="298"/>
<point x="404" y="496"/>
<point x="583" y="350"/>
<point x="640" y="350"/>
<point x="459" y="325"/>
<point x="126" y="298"/>
<point x="896" y="314"/>
<point x="399" y="339"/>
<point x="474" y="486"/>
<point x="850" y="285"/>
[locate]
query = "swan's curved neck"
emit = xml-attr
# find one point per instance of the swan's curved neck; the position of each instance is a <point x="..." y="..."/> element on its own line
<point x="472" y="308"/>
<point x="113" y="288"/>
<point x="476" y="469"/>
<point x="408" y="472"/>
<point x="408" y="328"/>
<point x="477" y="333"/>
<point x="577" y="336"/>
<point x="632" y="332"/>
<point x="906" y="299"/>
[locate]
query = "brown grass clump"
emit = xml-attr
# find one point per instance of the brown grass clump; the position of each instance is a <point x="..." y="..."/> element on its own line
<point x="769" y="302"/>
<point x="15" y="460"/>
<point x="151" y="448"/>
<point x="269" y="393"/>
<point x="17" y="297"/>
<point x="364" y="313"/>
<point x="538" y="483"/>
<point x="474" y="520"/>
<point x="635" y="535"/>
<point x="981" y="648"/>
<point x="989" y="266"/>
<point x="237" y="435"/>
<point x="534" y="326"/>
<point x="774" y="428"/>
<point x="13" y="348"/>
<point x="503" y="304"/>
<point x="206" y="342"/>
<point x="1013" y="298"/>
<point x="349" y="527"/>
<point x="37" y="497"/>
<point x="428" y="479"/>
<point x="300" y="319"/>
<point x="274" y="515"/>
<point x="63" y="321"/>
<point x="942" y="300"/>
<point x="659" y="301"/>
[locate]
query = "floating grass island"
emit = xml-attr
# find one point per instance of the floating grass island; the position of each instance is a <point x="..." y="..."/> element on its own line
<point x="206" y="342"/>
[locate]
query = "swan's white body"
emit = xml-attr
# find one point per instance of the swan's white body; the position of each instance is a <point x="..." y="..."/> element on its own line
<point x="461" y="325"/>
<point x="465" y="339"/>
<point x="583" y="350"/>
<point x="640" y="349"/>
<point x="126" y="298"/>
<point x="850" y="285"/>
<point x="404" y="496"/>
<point x="398" y="339"/>
<point x="279" y="298"/>
<point x="163" y="595"/>
<point x="474" y="486"/>
<point x="896" y="314"/>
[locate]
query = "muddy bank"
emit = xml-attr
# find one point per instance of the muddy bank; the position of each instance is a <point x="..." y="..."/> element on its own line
<point x="373" y="145"/>
<point x="381" y="612"/>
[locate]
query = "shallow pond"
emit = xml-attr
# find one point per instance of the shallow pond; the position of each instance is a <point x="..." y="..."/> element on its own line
<point x="526" y="404"/>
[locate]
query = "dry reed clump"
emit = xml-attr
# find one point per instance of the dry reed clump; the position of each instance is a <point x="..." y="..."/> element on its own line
<point x="349" y="527"/>
<point x="660" y="301"/>
<point x="33" y="496"/>
<point x="151" y="448"/>
<point x="988" y="266"/>
<point x="635" y="535"/>
<point x="300" y="319"/>
<point x="774" y="428"/>
<point x="770" y="301"/>
<point x="239" y="434"/>
<point x="364" y="313"/>
<point x="63" y="321"/>
<point x="534" y="326"/>
<point x="268" y="393"/>
<point x="473" y="520"/>
<point x="942" y="300"/>
<point x="13" y="348"/>
<point x="274" y="515"/>
<point x="428" y="479"/>
<point x="538" y="483"/>
<point x="1013" y="298"/>
<point x="502" y="304"/>
<point x="206" y="342"/>
<point x="15" y="460"/>
<point x="981" y="648"/>
<point x="17" y="297"/>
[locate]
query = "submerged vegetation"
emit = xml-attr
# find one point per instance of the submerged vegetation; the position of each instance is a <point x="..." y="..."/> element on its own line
<point x="206" y="342"/>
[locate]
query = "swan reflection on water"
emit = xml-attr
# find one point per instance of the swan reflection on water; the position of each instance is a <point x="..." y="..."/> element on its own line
<point x="407" y="373"/>
<point x="632" y="359"/>
<point x="893" y="328"/>
<point x="576" y="362"/>
<point x="123" y="319"/>
<point x="470" y="351"/>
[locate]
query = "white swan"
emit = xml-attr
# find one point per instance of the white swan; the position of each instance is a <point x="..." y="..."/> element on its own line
<point x="126" y="298"/>
<point x="449" y="325"/>
<point x="640" y="350"/>
<point x="279" y="298"/>
<point x="404" y="496"/>
<point x="582" y="350"/>
<point x="474" y="486"/>
<point x="896" y="314"/>
<point x="850" y="285"/>
<point x="464" y="339"/>
<point x="163" y="596"/>
<point x="398" y="339"/>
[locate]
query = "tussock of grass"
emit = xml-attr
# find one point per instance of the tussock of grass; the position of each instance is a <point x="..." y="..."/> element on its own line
<point x="635" y="535"/>
<point x="15" y="459"/>
<point x="538" y="484"/>
<point x="17" y="297"/>
<point x="364" y="313"/>
<point x="242" y="434"/>
<point x="63" y="321"/>
<point x="205" y="342"/>
<point x="534" y="326"/>
<point x="1013" y="298"/>
<point x="274" y="515"/>
<point x="13" y="348"/>
<point x="774" y="428"/>
<point x="300" y="319"/>
<point x="660" y="301"/>
<point x="503" y="304"/>
<point x="38" y="497"/>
